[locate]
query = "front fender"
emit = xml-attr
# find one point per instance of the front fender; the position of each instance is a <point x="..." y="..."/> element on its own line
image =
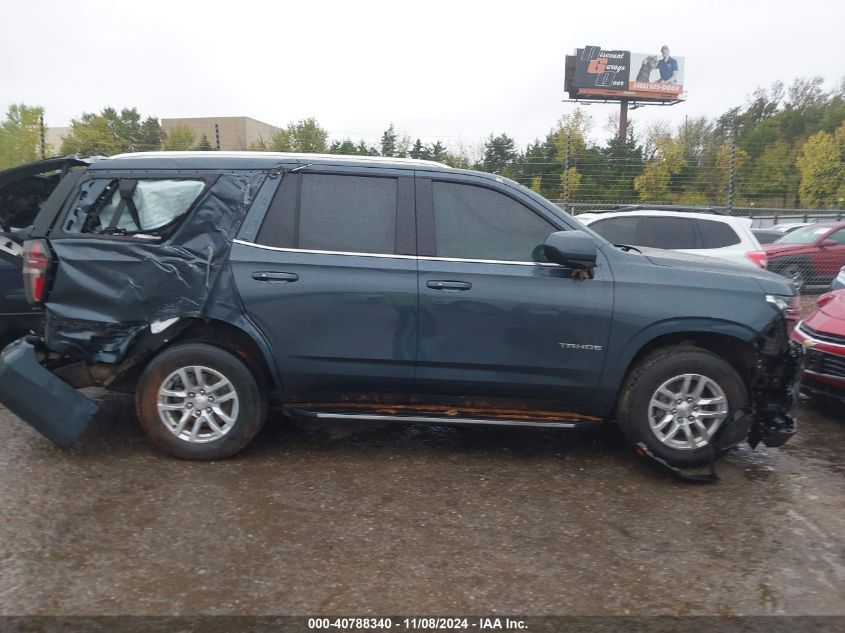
<point x="621" y="354"/>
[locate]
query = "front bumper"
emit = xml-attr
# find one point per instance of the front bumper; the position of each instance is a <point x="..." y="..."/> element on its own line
<point x="39" y="398"/>
<point x="824" y="366"/>
<point x="775" y="388"/>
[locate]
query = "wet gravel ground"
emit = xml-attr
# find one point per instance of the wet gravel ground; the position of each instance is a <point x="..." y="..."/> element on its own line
<point x="416" y="520"/>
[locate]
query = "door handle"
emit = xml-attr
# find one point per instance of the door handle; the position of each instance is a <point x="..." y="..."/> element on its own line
<point x="273" y="276"/>
<point x="449" y="286"/>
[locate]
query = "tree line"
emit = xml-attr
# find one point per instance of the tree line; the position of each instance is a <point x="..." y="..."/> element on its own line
<point x="784" y="147"/>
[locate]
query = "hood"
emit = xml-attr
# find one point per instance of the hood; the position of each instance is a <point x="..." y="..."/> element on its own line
<point x="768" y="281"/>
<point x="829" y="318"/>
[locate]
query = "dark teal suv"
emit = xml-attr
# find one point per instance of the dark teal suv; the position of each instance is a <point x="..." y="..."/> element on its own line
<point x="214" y="285"/>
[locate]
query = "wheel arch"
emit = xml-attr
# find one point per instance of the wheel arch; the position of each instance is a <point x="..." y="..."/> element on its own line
<point x="802" y="260"/>
<point x="240" y="339"/>
<point x="731" y="341"/>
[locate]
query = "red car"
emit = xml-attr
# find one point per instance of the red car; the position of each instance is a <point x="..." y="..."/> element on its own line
<point x="810" y="255"/>
<point x="822" y="334"/>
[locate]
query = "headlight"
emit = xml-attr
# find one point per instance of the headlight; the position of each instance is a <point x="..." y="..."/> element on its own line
<point x="790" y="308"/>
<point x="778" y="303"/>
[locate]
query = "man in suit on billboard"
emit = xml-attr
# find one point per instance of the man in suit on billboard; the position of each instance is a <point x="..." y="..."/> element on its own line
<point x="668" y="67"/>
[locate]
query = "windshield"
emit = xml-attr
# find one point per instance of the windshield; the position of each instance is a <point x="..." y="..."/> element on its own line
<point x="806" y="235"/>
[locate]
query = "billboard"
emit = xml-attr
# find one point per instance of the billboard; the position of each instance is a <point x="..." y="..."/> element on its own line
<point x="594" y="72"/>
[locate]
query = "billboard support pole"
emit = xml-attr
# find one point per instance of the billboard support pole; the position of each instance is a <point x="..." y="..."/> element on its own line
<point x="623" y="119"/>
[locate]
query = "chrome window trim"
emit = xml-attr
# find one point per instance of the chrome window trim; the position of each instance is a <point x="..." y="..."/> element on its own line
<point x="389" y="255"/>
<point x="319" y="252"/>
<point x="485" y="261"/>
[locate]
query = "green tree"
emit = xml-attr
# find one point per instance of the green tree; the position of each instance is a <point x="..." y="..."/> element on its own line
<point x="20" y="135"/>
<point x="420" y="151"/>
<point x="204" y="145"/>
<point x="438" y="151"/>
<point x="388" y="141"/>
<point x="773" y="174"/>
<point x="346" y="146"/>
<point x="653" y="184"/>
<point x="179" y="138"/>
<point x="573" y="129"/>
<point x="365" y="150"/>
<point x="304" y="136"/>
<point x="458" y="160"/>
<point x="621" y="162"/>
<point x="499" y="153"/>
<point x="111" y="132"/>
<point x="820" y="163"/>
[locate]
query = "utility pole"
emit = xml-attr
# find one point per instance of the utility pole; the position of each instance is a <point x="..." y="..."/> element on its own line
<point x="43" y="143"/>
<point x="623" y="119"/>
<point x="566" y="173"/>
<point x="731" y="169"/>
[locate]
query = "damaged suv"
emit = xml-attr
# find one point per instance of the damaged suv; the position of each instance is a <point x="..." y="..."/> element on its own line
<point x="212" y="285"/>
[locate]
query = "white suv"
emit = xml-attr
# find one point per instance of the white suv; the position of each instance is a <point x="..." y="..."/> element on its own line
<point x="721" y="236"/>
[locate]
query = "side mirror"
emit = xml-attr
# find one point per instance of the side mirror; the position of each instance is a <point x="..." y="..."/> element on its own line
<point x="828" y="243"/>
<point x="572" y="249"/>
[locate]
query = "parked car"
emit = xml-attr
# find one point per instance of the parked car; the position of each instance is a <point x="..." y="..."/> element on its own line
<point x="23" y="191"/>
<point x="838" y="282"/>
<point x="811" y="255"/>
<point x="774" y="233"/>
<point x="344" y="288"/>
<point x="822" y="333"/>
<point x="722" y="236"/>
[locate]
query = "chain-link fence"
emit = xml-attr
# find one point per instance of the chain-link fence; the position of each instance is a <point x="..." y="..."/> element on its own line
<point x="806" y="246"/>
<point x="797" y="210"/>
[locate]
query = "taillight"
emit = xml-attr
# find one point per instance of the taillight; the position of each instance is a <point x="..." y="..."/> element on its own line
<point x="758" y="257"/>
<point x="36" y="267"/>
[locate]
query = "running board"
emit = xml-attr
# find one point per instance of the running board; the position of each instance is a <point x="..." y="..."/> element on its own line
<point x="528" y="419"/>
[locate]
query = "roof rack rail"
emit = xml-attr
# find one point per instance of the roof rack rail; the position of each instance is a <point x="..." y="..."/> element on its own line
<point x="616" y="208"/>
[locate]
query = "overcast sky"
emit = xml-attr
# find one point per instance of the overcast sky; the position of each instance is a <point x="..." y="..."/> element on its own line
<point x="449" y="70"/>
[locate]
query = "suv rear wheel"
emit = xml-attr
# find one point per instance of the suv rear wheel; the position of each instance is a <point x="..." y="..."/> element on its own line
<point x="196" y="401"/>
<point x="676" y="399"/>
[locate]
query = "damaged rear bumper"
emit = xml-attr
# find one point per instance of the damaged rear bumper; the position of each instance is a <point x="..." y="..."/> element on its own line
<point x="38" y="397"/>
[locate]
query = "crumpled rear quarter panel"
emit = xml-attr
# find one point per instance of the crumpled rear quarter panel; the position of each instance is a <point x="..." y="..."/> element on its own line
<point x="106" y="289"/>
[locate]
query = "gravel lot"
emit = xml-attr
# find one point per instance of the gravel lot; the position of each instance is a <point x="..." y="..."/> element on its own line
<point x="416" y="520"/>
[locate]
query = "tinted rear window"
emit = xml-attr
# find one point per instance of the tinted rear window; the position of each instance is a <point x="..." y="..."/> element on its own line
<point x="715" y="234"/>
<point x="669" y="233"/>
<point x="617" y="230"/>
<point x="354" y="214"/>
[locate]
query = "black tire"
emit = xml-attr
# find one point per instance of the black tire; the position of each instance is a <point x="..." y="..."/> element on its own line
<point x="652" y="372"/>
<point x="250" y="399"/>
<point x="796" y="275"/>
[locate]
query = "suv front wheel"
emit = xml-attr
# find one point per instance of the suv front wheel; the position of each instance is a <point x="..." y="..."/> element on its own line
<point x="197" y="401"/>
<point x="675" y="401"/>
